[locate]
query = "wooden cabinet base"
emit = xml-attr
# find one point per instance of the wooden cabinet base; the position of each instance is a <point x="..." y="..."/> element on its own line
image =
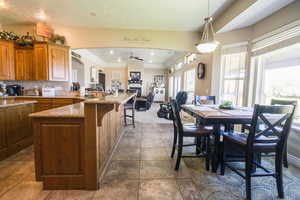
<point x="71" y="153"/>
<point x="15" y="129"/>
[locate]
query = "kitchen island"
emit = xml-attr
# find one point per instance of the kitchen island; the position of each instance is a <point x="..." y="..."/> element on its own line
<point x="74" y="143"/>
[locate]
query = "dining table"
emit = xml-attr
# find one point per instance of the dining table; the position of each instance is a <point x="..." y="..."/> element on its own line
<point x="213" y="115"/>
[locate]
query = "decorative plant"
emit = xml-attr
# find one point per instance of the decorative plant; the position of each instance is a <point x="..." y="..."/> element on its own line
<point x="4" y="35"/>
<point x="58" y="39"/>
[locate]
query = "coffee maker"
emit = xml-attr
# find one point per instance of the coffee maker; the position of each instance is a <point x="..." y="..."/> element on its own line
<point x="14" y="90"/>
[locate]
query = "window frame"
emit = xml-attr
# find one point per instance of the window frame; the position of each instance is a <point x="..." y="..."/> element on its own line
<point x="223" y="79"/>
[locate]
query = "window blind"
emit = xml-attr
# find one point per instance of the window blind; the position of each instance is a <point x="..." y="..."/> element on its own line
<point x="283" y="37"/>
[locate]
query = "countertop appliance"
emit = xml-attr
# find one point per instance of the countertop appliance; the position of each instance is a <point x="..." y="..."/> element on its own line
<point x="14" y="90"/>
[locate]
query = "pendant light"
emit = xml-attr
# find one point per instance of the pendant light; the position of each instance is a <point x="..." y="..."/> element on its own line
<point x="208" y="43"/>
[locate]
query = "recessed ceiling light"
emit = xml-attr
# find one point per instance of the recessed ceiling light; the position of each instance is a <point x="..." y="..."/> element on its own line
<point x="111" y="51"/>
<point x="93" y="14"/>
<point x="119" y="59"/>
<point x="152" y="53"/>
<point x="150" y="61"/>
<point x="41" y="15"/>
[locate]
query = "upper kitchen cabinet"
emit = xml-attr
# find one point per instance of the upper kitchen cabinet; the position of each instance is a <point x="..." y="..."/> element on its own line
<point x="40" y="69"/>
<point x="24" y="63"/>
<point x="58" y="63"/>
<point x="51" y="62"/>
<point x="7" y="60"/>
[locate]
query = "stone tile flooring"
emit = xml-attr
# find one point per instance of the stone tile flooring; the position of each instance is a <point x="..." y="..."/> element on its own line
<point x="141" y="168"/>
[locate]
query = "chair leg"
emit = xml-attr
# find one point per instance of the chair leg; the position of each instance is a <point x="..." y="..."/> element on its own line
<point x="279" y="182"/>
<point x="179" y="152"/>
<point x="125" y="118"/>
<point x="174" y="142"/>
<point x="285" y="161"/>
<point x="222" y="158"/>
<point x="133" y="117"/>
<point x="249" y="159"/>
<point x="198" y="144"/>
<point x="207" y="162"/>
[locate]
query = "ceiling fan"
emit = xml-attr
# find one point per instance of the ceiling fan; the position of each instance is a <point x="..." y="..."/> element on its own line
<point x="135" y="57"/>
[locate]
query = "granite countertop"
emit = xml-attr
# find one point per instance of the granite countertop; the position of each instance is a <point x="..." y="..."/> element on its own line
<point x="4" y="103"/>
<point x="44" y="97"/>
<point x="77" y="110"/>
<point x="111" y="99"/>
<point x="69" y="111"/>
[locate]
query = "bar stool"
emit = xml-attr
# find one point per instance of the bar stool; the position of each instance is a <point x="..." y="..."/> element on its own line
<point x="130" y="105"/>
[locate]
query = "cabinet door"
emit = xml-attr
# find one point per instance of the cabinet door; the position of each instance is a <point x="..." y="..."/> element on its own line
<point x="3" y="140"/>
<point x="6" y="60"/>
<point x="20" y="68"/>
<point x="40" y="69"/>
<point x="28" y="56"/>
<point x="26" y="124"/>
<point x="14" y="120"/>
<point x="58" y="63"/>
<point x="24" y="64"/>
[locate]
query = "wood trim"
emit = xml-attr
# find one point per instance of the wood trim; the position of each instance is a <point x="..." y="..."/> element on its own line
<point x="90" y="141"/>
<point x="102" y="109"/>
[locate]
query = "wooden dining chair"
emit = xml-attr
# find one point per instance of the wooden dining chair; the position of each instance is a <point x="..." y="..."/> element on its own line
<point x="182" y="132"/>
<point x="276" y="102"/>
<point x="271" y="140"/>
<point x="130" y="106"/>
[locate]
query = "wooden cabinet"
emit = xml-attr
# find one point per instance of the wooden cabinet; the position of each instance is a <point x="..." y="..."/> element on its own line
<point x="58" y="63"/>
<point x="40" y="70"/>
<point x="3" y="140"/>
<point x="24" y="64"/>
<point x="49" y="103"/>
<point x="6" y="60"/>
<point x="61" y="102"/>
<point x="15" y="129"/>
<point x="51" y="62"/>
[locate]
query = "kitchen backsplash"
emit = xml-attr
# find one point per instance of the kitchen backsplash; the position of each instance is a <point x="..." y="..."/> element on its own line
<point x="31" y="84"/>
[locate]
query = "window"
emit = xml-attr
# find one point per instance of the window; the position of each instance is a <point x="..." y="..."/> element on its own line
<point x="177" y="84"/>
<point x="171" y="87"/>
<point x="277" y="75"/>
<point x="232" y="77"/>
<point x="189" y="84"/>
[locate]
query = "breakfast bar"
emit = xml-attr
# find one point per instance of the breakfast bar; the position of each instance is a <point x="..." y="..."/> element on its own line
<point x="74" y="143"/>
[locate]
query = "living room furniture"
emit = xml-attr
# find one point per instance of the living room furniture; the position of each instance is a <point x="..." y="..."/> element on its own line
<point x="143" y="104"/>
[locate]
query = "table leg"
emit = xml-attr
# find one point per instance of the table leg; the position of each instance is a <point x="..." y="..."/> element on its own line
<point x="216" y="153"/>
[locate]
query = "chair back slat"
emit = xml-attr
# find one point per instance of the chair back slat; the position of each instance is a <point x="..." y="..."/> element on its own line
<point x="199" y="100"/>
<point x="270" y="124"/>
<point x="176" y="117"/>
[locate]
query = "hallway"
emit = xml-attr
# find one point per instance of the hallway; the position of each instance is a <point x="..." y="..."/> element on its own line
<point x="141" y="168"/>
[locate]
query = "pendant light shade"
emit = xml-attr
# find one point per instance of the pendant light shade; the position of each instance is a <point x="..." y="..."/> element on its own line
<point x="208" y="43"/>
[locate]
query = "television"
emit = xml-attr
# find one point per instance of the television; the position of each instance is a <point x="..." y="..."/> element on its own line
<point x="135" y="76"/>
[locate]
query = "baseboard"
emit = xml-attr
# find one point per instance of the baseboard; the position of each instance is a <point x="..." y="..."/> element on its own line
<point x="294" y="160"/>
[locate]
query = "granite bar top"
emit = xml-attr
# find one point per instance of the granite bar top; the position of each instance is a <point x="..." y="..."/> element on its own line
<point x="4" y="103"/>
<point x="77" y="110"/>
<point x="69" y="111"/>
<point x="111" y="99"/>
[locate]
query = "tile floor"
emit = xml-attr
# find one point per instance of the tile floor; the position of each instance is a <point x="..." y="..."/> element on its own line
<point x="141" y="168"/>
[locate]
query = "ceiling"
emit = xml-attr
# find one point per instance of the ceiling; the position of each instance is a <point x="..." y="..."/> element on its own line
<point x="153" y="58"/>
<point x="256" y="12"/>
<point x="176" y="15"/>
